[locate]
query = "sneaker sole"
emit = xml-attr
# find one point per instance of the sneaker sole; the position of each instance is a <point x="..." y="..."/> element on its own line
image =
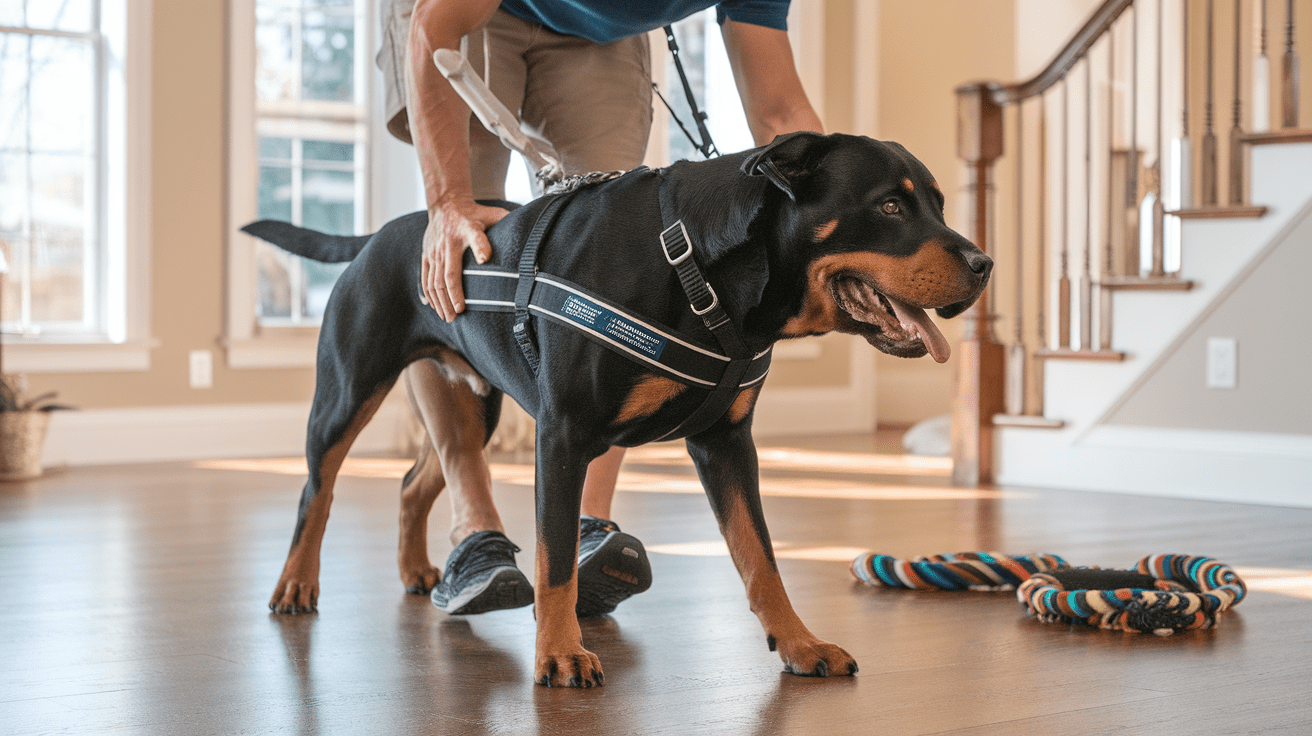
<point x="506" y="588"/>
<point x="614" y="571"/>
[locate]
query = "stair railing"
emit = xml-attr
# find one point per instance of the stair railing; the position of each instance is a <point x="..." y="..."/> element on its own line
<point x="1098" y="189"/>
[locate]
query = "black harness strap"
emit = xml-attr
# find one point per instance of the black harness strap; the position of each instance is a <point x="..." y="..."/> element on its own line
<point x="528" y="271"/>
<point x="678" y="251"/>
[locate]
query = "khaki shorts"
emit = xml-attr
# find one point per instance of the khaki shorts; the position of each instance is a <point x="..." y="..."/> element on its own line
<point x="591" y="101"/>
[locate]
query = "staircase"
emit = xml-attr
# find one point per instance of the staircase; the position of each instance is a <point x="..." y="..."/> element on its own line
<point x="1140" y="243"/>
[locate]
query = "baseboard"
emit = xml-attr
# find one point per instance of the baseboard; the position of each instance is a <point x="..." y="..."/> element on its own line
<point x="156" y="434"/>
<point x="1235" y="467"/>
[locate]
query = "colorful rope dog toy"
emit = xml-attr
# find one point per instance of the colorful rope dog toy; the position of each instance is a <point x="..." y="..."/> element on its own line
<point x="1162" y="595"/>
<point x="967" y="570"/>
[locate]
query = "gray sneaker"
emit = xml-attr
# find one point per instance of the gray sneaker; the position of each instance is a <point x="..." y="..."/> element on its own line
<point x="612" y="566"/>
<point x="481" y="576"/>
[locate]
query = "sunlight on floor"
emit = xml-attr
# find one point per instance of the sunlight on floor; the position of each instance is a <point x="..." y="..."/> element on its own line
<point x="1291" y="582"/>
<point x="861" y="466"/>
<point x="782" y="550"/>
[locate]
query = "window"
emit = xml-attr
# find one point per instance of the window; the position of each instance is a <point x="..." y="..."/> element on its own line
<point x="311" y="124"/>
<point x="73" y="181"/>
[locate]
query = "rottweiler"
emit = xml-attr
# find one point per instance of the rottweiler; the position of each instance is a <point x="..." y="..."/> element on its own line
<point x="632" y="310"/>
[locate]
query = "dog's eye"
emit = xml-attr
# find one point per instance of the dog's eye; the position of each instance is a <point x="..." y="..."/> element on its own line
<point x="891" y="207"/>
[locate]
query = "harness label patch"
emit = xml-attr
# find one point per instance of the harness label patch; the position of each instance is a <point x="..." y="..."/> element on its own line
<point x="613" y="325"/>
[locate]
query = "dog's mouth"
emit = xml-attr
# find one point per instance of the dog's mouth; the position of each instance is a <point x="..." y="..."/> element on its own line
<point x="903" y="330"/>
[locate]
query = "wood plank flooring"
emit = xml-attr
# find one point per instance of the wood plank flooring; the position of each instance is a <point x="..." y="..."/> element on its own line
<point x="133" y="601"/>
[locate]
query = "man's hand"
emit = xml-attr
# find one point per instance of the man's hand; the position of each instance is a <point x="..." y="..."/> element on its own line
<point x="453" y="227"/>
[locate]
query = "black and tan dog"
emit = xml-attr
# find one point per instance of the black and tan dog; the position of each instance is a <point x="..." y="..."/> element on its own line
<point x="804" y="236"/>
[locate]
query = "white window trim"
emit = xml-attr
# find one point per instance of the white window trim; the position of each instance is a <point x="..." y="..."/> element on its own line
<point x="127" y="343"/>
<point x="247" y="343"/>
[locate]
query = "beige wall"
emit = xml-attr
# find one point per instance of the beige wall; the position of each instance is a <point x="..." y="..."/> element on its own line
<point x="926" y="51"/>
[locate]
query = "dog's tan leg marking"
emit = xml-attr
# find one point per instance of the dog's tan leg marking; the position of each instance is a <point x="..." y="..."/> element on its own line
<point x="742" y="405"/>
<point x="445" y="392"/>
<point x="647" y="396"/>
<point x="561" y="659"/>
<point x="298" y="586"/>
<point x="801" y="651"/>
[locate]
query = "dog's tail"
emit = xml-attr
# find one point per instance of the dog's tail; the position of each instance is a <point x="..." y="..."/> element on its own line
<point x="311" y="244"/>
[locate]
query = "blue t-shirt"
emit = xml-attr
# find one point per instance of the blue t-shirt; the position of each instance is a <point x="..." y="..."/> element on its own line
<point x="607" y="21"/>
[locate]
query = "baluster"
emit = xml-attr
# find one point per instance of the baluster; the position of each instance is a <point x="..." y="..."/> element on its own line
<point x="1209" y="137"/>
<point x="1086" y="273"/>
<point x="1159" y="168"/>
<point x="1183" y="158"/>
<point x="1016" y="351"/>
<point x="1132" y="224"/>
<point x="1041" y="281"/>
<point x="1261" y="72"/>
<point x="1289" y="80"/>
<point x="1064" y="282"/>
<point x="1105" y="271"/>
<point x="1236" y="148"/>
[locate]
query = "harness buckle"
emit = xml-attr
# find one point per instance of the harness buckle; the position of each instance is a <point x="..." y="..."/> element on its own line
<point x="715" y="302"/>
<point x="687" y="242"/>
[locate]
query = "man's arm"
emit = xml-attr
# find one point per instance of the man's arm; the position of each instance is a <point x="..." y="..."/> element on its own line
<point x="771" y="91"/>
<point x="439" y="126"/>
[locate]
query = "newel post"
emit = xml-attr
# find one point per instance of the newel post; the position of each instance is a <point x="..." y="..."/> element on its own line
<point x="980" y="357"/>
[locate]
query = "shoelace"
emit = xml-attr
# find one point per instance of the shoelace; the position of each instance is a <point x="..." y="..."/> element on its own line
<point x="489" y="553"/>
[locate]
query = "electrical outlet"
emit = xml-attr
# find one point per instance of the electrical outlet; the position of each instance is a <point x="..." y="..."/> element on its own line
<point x="201" y="373"/>
<point x="1222" y="362"/>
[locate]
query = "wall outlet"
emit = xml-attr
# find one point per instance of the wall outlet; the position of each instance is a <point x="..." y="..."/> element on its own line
<point x="1222" y="362"/>
<point x="201" y="373"/>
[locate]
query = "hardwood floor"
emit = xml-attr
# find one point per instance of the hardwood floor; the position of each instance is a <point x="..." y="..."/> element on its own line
<point x="133" y="601"/>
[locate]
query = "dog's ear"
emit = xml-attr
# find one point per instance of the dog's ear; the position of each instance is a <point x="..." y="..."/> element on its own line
<point x="786" y="161"/>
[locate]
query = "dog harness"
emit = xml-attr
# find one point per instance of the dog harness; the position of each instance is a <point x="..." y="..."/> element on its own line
<point x="528" y="293"/>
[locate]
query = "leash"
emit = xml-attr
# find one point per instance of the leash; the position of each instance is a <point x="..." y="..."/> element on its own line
<point x="706" y="146"/>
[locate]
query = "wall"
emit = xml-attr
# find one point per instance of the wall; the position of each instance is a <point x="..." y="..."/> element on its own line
<point x="1261" y="310"/>
<point x="926" y="51"/>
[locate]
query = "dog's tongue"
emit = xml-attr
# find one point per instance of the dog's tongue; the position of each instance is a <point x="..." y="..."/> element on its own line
<point x="915" y="318"/>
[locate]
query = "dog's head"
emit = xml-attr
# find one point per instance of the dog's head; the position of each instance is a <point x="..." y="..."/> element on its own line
<point x="869" y="227"/>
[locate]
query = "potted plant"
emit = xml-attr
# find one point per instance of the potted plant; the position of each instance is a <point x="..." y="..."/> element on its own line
<point x="23" y="421"/>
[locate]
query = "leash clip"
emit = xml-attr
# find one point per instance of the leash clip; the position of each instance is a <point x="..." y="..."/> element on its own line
<point x="687" y="243"/>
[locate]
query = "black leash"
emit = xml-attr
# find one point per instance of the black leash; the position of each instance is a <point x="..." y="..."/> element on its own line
<point x="706" y="146"/>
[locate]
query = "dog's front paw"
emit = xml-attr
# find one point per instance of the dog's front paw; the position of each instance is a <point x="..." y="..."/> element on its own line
<point x="573" y="669"/>
<point x="421" y="580"/>
<point x="814" y="658"/>
<point x="294" y="596"/>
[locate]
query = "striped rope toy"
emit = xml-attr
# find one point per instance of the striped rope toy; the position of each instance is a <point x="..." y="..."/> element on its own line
<point x="1189" y="593"/>
<point x="1162" y="595"/>
<point x="963" y="571"/>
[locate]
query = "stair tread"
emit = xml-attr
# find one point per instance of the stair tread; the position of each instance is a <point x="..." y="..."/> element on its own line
<point x="1148" y="283"/>
<point x="1219" y="211"/>
<point x="1072" y="354"/>
<point x="1027" y="420"/>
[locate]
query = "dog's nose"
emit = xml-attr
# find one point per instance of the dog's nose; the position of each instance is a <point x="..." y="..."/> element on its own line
<point x="979" y="263"/>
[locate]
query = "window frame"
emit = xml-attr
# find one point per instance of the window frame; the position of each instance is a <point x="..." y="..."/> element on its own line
<point x="120" y="338"/>
<point x="252" y="342"/>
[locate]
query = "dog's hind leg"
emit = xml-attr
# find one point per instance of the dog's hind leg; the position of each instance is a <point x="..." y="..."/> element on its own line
<point x="338" y="415"/>
<point x="419" y="489"/>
